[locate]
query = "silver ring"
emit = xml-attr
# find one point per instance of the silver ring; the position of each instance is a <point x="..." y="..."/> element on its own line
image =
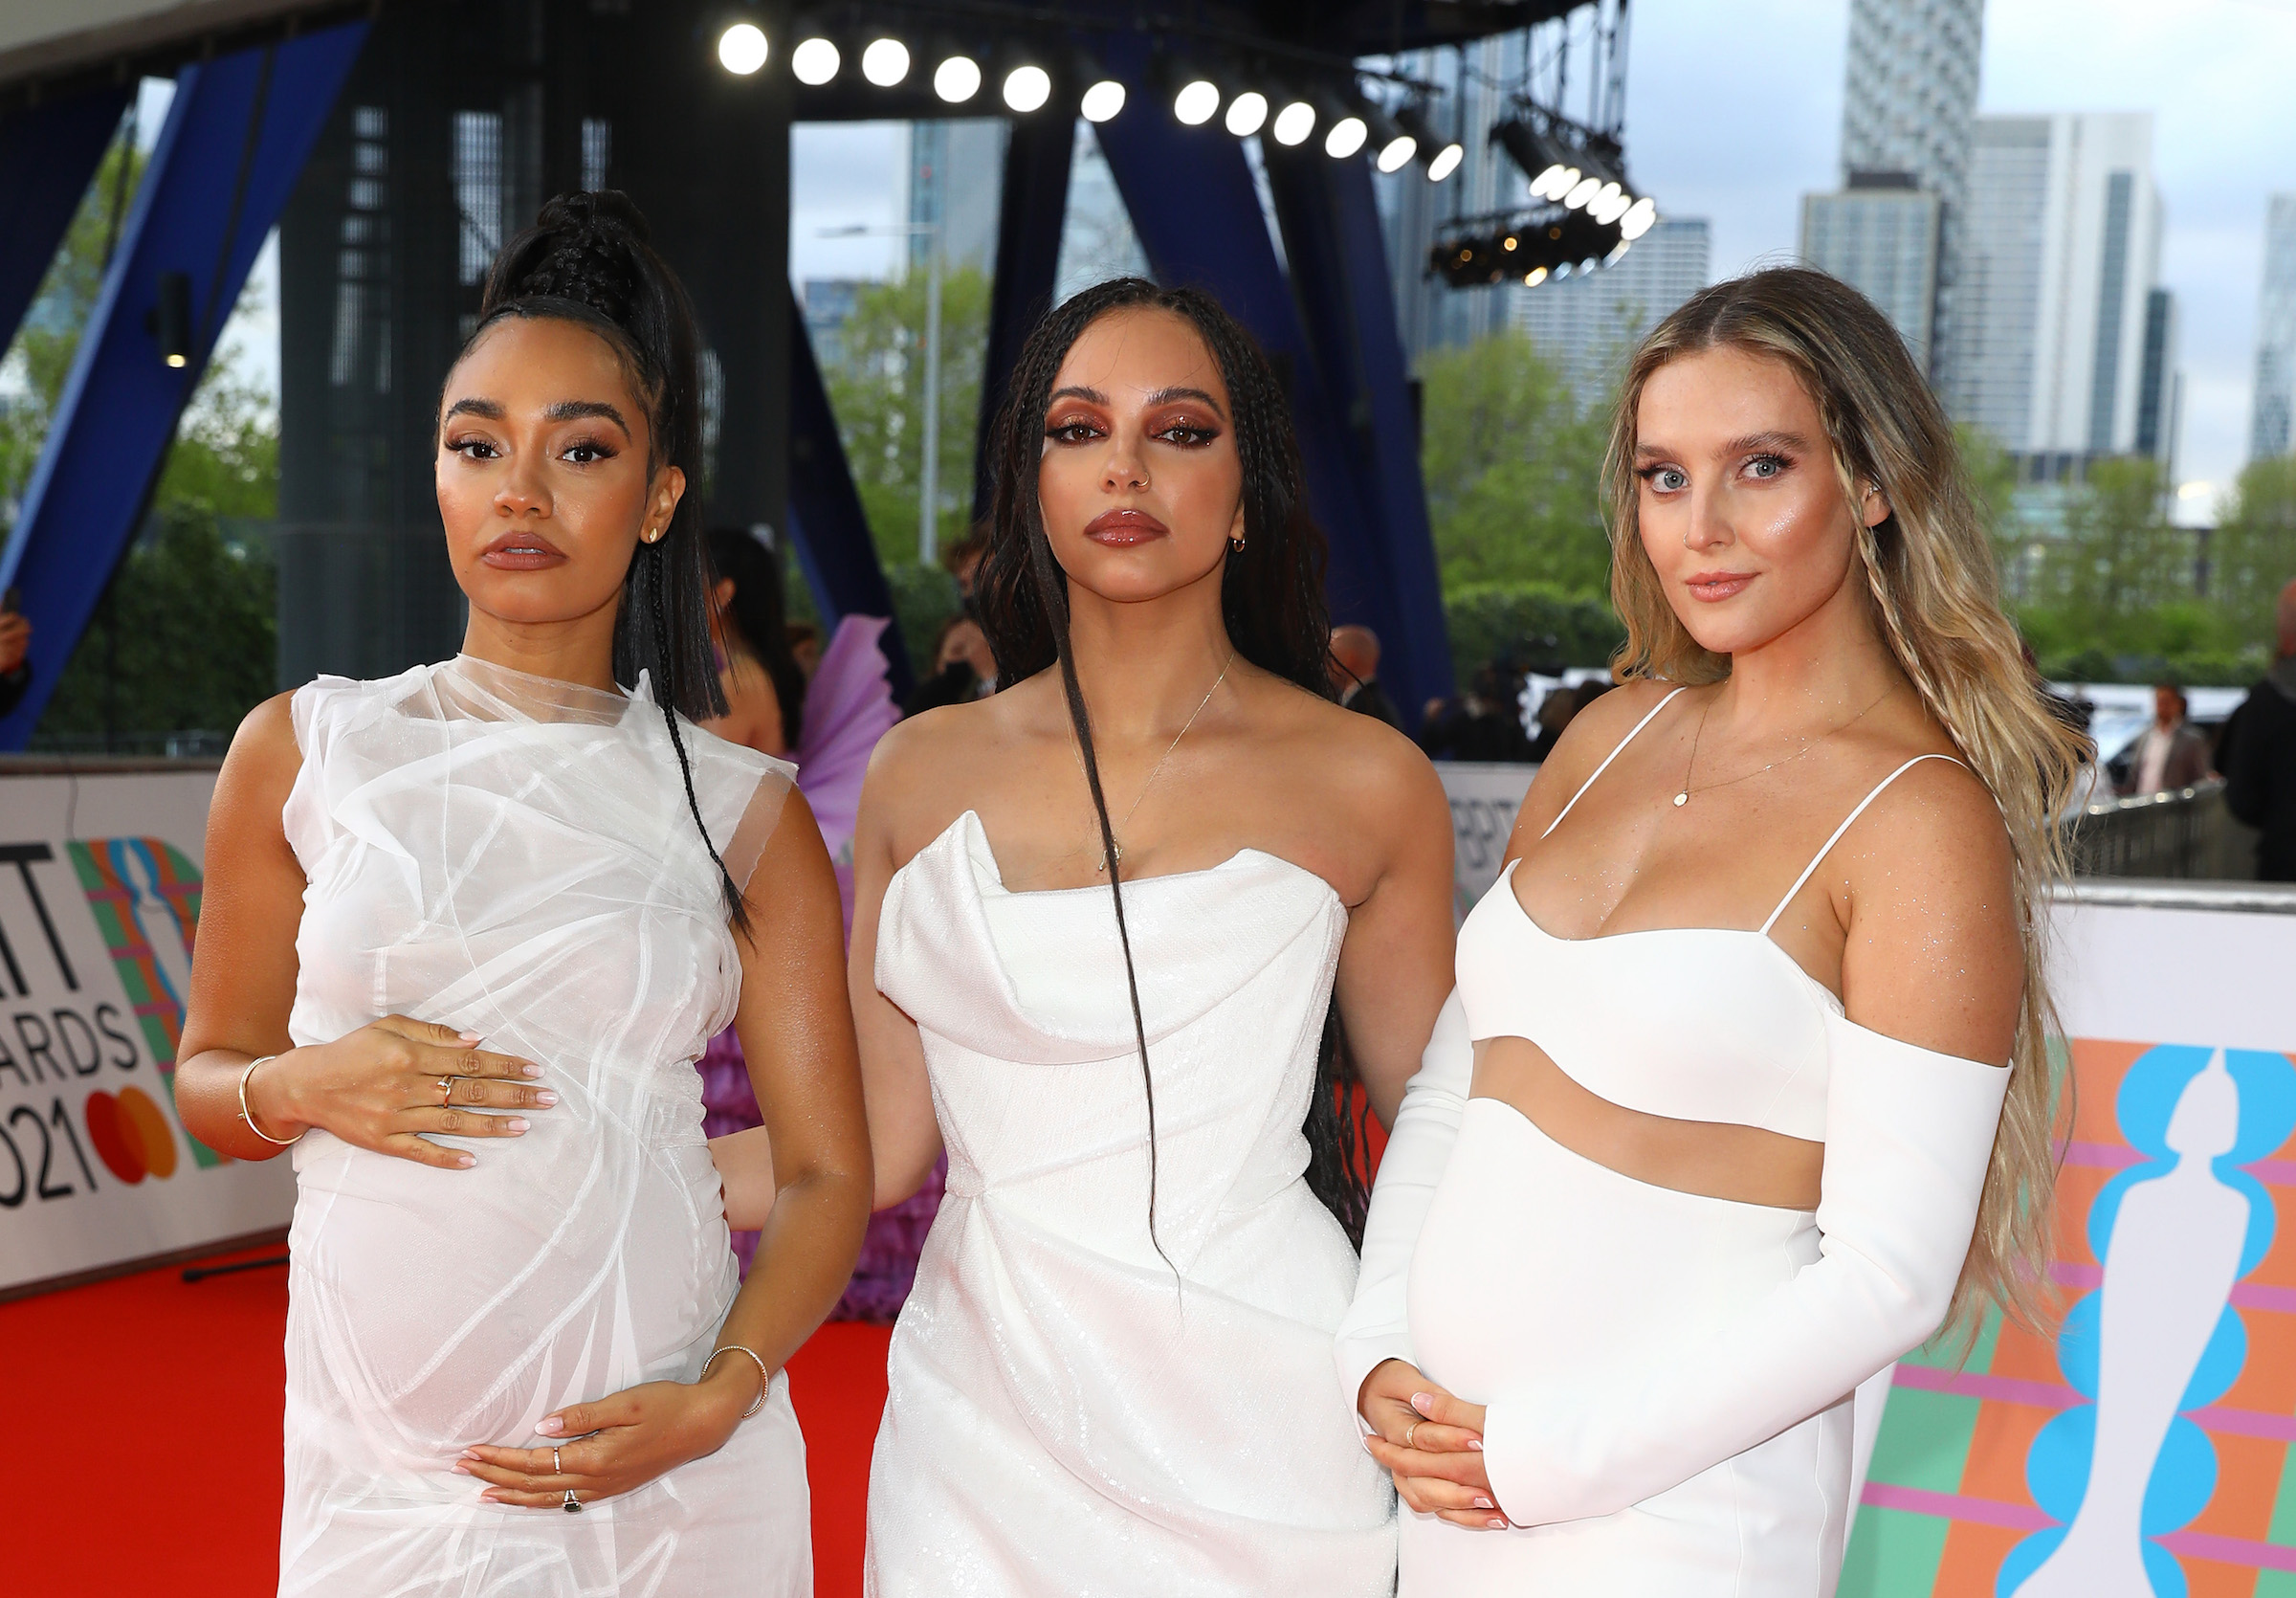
<point x="573" y="1504"/>
<point x="446" y="1092"/>
<point x="555" y="1468"/>
<point x="1410" y="1432"/>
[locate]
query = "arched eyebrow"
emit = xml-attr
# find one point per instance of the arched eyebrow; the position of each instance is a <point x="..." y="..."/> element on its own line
<point x="1756" y="443"/>
<point x="571" y="411"/>
<point x="1089" y="396"/>
<point x="1165" y="396"/>
<point x="490" y="410"/>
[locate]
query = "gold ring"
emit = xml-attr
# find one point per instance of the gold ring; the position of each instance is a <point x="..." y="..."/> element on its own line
<point x="1410" y="1432"/>
<point x="555" y="1468"/>
<point x="446" y="1091"/>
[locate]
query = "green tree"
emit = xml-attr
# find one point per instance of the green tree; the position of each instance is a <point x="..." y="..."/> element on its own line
<point x="877" y="392"/>
<point x="1993" y="484"/>
<point x="1513" y="466"/>
<point x="2253" y="555"/>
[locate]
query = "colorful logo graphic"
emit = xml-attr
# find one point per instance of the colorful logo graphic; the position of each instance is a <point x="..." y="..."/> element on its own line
<point x="145" y="895"/>
<point x="130" y="1134"/>
<point x="2143" y="1449"/>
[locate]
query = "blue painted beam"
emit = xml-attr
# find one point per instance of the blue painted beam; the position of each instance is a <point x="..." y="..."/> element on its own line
<point x="237" y="135"/>
<point x="48" y="152"/>
<point x="1331" y="228"/>
<point x="1197" y="212"/>
<point x="827" y="524"/>
<point x="1034" y="205"/>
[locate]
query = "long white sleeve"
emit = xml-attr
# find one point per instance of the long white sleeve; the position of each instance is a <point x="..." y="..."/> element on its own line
<point x="1377" y="1325"/>
<point x="1909" y="1134"/>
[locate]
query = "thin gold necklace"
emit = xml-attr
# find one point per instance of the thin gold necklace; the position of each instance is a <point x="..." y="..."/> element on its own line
<point x="1684" y="797"/>
<point x="1157" y="769"/>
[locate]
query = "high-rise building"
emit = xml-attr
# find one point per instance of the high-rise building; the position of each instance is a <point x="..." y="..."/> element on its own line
<point x="2057" y="310"/>
<point x="1910" y="94"/>
<point x="957" y="185"/>
<point x="1588" y="324"/>
<point x="2272" y="424"/>
<point x="1881" y="234"/>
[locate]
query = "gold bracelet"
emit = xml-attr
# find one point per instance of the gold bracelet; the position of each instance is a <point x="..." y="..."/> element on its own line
<point x="764" y="1376"/>
<point x="249" y="1116"/>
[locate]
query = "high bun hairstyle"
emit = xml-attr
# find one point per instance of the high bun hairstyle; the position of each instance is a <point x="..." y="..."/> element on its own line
<point x="1270" y="599"/>
<point x="586" y="259"/>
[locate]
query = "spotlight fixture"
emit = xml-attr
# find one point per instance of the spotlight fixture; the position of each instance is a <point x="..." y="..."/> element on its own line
<point x="814" y="62"/>
<point x="958" y="77"/>
<point x="742" y="49"/>
<point x="1583" y="191"/>
<point x="1442" y="156"/>
<point x="1294" y="123"/>
<point x="1247" y="114"/>
<point x="1638" y="219"/>
<point x="885" y="62"/>
<point x="1026" y="87"/>
<point x="1537" y="276"/>
<point x="169" y="319"/>
<point x="1395" y="143"/>
<point x="1446" y="161"/>
<point x="1609" y="204"/>
<point x="1196" y="102"/>
<point x="1102" y="100"/>
<point x="1348" y="131"/>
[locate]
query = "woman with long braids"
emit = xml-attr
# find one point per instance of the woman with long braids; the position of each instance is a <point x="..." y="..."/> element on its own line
<point x="1747" y="1089"/>
<point x="464" y="931"/>
<point x="1099" y="919"/>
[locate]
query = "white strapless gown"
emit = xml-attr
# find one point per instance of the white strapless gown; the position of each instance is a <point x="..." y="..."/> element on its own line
<point x="515" y="856"/>
<point x="1070" y="1415"/>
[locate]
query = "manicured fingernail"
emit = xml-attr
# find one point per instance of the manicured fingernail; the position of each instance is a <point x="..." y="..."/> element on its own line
<point x="530" y="1069"/>
<point x="1475" y="1443"/>
<point x="549" y="1426"/>
<point x="1423" y="1403"/>
<point x="545" y="1098"/>
<point x="466" y="1160"/>
<point x="1495" y="1523"/>
<point x="1485" y="1503"/>
<point x="461" y="1468"/>
<point x="516" y="1123"/>
<point x="488" y="1498"/>
<point x="470" y="1038"/>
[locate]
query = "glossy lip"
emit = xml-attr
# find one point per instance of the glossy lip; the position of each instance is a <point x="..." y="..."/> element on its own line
<point x="1714" y="587"/>
<point x="523" y="551"/>
<point x="1124" y="528"/>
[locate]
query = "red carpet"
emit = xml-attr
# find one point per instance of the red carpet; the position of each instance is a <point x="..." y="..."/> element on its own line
<point x="144" y="1436"/>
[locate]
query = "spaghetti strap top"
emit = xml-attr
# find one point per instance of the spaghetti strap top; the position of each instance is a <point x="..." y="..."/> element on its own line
<point x="1735" y="1033"/>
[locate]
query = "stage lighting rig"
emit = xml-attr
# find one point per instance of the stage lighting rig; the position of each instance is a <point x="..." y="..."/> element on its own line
<point x="1247" y="114"/>
<point x="742" y="49"/>
<point x="814" y="60"/>
<point x="885" y="63"/>
<point x="1439" y="156"/>
<point x="1294" y="123"/>
<point x="1102" y="100"/>
<point x="957" y="77"/>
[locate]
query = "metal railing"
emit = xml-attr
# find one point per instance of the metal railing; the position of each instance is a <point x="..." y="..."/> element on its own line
<point x="2185" y="834"/>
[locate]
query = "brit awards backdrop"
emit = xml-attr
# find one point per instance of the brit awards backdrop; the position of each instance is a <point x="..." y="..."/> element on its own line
<point x="99" y="914"/>
<point x="2142" y="1450"/>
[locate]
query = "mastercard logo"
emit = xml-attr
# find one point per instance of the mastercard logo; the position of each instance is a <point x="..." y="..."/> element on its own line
<point x="130" y="1134"/>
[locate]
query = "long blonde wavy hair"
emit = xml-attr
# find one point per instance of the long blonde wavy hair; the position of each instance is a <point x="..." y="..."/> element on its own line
<point x="1936" y="601"/>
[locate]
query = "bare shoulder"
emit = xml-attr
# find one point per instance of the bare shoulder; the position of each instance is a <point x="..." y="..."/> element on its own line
<point x="1598" y="730"/>
<point x="1374" y="769"/>
<point x="1938" y="817"/>
<point x="263" y="751"/>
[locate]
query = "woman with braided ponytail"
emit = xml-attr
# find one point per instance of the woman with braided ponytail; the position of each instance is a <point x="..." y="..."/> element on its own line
<point x="1678" y="1179"/>
<point x="1099" y="919"/>
<point x="466" y="931"/>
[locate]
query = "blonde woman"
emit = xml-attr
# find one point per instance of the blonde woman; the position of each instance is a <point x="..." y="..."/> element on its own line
<point x="1744" y="1090"/>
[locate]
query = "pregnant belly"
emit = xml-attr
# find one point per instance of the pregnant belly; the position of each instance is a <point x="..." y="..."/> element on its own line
<point x="1535" y="1262"/>
<point x="436" y="1308"/>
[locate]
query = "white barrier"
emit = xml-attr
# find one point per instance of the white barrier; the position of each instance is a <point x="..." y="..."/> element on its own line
<point x="100" y="881"/>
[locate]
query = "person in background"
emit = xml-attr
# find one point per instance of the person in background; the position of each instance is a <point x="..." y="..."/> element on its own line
<point x="962" y="668"/>
<point x="2171" y="754"/>
<point x="15" y="644"/>
<point x="2258" y="756"/>
<point x="1354" y="669"/>
<point x="961" y="559"/>
<point x="1482" y="725"/>
<point x="805" y="646"/>
<point x="764" y="686"/>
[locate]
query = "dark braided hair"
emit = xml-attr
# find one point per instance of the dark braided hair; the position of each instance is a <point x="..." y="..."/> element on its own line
<point x="1270" y="598"/>
<point x="587" y="261"/>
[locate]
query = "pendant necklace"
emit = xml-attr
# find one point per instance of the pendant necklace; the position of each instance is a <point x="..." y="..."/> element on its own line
<point x="1684" y="797"/>
<point x="1157" y="769"/>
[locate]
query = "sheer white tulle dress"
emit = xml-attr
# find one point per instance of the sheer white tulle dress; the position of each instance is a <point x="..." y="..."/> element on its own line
<point x="1668" y="1376"/>
<point x="1070" y="1415"/>
<point x="515" y="856"/>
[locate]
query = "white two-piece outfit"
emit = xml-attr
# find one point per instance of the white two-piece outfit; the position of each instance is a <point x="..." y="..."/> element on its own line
<point x="513" y="857"/>
<point x="1668" y="1376"/>
<point x="1070" y="1415"/>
